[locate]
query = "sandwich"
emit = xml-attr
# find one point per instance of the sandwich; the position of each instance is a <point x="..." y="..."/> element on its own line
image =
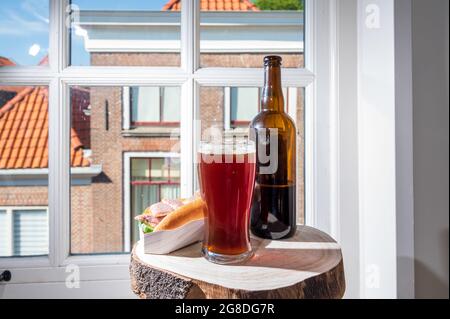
<point x="170" y="214"/>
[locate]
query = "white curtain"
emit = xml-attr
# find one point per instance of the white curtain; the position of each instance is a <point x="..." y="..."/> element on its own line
<point x="244" y="103"/>
<point x="30" y="232"/>
<point x="171" y="111"/>
<point x="145" y="104"/>
<point x="170" y="191"/>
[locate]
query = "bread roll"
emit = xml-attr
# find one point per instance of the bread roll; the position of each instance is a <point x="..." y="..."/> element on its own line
<point x="193" y="210"/>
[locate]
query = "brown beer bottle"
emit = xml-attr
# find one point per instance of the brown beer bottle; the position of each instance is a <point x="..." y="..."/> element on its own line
<point x="273" y="212"/>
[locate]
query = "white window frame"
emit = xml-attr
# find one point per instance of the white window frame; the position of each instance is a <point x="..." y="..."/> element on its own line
<point x="10" y="210"/>
<point x="290" y="95"/>
<point x="321" y="164"/>
<point x="127" y="156"/>
<point x="126" y="112"/>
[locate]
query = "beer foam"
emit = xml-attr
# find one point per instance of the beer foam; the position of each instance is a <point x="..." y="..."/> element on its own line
<point x="227" y="147"/>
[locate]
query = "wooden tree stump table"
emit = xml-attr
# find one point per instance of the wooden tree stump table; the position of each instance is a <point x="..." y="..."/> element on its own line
<point x="308" y="265"/>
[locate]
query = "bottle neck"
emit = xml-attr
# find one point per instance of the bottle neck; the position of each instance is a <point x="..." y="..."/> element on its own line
<point x="272" y="93"/>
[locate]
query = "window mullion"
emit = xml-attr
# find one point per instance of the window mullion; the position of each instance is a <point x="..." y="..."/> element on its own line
<point x="57" y="30"/>
<point x="59" y="172"/>
<point x="190" y="42"/>
<point x="59" y="139"/>
<point x="190" y="35"/>
<point x="190" y="96"/>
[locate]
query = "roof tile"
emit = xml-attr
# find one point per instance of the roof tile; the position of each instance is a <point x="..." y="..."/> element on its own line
<point x="213" y="5"/>
<point x="24" y="132"/>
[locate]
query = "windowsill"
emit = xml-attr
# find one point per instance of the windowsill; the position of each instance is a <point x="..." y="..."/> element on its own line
<point x="152" y="132"/>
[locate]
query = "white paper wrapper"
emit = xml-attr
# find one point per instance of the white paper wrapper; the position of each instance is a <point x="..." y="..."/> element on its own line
<point x="165" y="241"/>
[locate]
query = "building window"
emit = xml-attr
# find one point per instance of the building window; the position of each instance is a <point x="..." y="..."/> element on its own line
<point x="152" y="179"/>
<point x="23" y="231"/>
<point x="244" y="104"/>
<point x="155" y="106"/>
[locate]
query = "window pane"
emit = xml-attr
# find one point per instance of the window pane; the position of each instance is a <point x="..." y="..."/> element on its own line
<point x="145" y="104"/>
<point x="215" y="115"/>
<point x="140" y="169"/>
<point x="24" y="32"/>
<point x="110" y="169"/>
<point x="244" y="105"/>
<point x="160" y="186"/>
<point x="125" y="33"/>
<point x="158" y="166"/>
<point x="174" y="170"/>
<point x="30" y="232"/>
<point x="153" y="109"/>
<point x="240" y="33"/>
<point x="23" y="164"/>
<point x="171" y="104"/>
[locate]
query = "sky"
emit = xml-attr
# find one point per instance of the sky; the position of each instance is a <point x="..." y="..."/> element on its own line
<point x="24" y="27"/>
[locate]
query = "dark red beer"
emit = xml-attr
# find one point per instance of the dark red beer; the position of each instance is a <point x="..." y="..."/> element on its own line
<point x="226" y="185"/>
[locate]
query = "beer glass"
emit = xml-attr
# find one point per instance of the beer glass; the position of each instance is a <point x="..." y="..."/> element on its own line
<point x="227" y="176"/>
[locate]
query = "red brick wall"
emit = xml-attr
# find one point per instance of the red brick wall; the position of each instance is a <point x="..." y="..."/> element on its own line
<point x="247" y="60"/>
<point x="23" y="196"/>
<point x="136" y="59"/>
<point x="242" y="60"/>
<point x="211" y="107"/>
<point x="81" y="220"/>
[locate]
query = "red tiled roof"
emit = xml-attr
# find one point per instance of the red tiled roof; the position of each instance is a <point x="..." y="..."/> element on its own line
<point x="44" y="60"/>
<point x="6" y="62"/>
<point x="215" y="5"/>
<point x="80" y="101"/>
<point x="24" y="132"/>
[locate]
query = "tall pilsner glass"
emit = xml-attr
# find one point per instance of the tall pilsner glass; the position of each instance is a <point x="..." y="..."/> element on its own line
<point x="227" y="176"/>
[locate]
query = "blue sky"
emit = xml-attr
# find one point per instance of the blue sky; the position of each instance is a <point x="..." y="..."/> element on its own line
<point x="24" y="27"/>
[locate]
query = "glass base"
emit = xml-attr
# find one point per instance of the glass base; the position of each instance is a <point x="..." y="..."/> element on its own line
<point x="225" y="259"/>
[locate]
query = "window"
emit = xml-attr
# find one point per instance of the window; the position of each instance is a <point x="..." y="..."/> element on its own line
<point x="23" y="231"/>
<point x="127" y="81"/>
<point x="24" y="163"/>
<point x="127" y="33"/>
<point x="240" y="33"/>
<point x="153" y="106"/>
<point x="152" y="179"/>
<point x="100" y="220"/>
<point x="244" y="103"/>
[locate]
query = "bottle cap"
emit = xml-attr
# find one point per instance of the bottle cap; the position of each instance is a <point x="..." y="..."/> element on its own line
<point x="273" y="60"/>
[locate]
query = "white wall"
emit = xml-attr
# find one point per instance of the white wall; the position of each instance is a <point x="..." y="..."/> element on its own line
<point x="430" y="27"/>
<point x="348" y="142"/>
